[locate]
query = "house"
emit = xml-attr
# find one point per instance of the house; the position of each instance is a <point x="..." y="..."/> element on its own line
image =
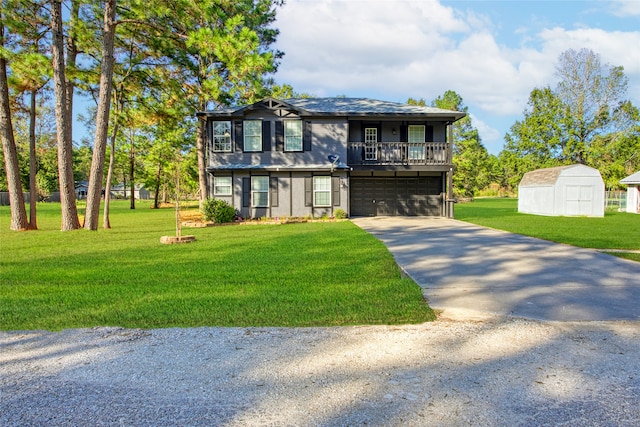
<point x="574" y="190"/>
<point x="122" y="191"/>
<point x="633" y="192"/>
<point x="310" y="156"/>
<point x="82" y="189"/>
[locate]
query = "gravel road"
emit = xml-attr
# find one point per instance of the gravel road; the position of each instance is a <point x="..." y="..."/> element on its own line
<point x="497" y="371"/>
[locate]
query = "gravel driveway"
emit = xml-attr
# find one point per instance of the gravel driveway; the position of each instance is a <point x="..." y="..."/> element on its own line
<point x="501" y="371"/>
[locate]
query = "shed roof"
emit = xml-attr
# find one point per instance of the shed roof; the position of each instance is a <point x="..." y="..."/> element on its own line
<point x="634" y="178"/>
<point x="549" y="176"/>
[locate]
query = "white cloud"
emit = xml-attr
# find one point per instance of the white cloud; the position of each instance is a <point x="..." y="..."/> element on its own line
<point x="394" y="50"/>
<point x="626" y="8"/>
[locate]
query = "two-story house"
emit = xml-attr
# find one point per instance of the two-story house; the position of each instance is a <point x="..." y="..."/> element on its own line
<point x="310" y="156"/>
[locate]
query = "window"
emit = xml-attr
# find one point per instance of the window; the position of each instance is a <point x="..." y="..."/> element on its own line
<point x="222" y="185"/>
<point x="416" y="142"/>
<point x="322" y="191"/>
<point x="259" y="191"/>
<point x="222" y="136"/>
<point x="252" y="135"/>
<point x="293" y="135"/>
<point x="370" y="140"/>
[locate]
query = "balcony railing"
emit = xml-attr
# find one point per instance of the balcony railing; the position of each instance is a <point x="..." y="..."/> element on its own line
<point x="397" y="153"/>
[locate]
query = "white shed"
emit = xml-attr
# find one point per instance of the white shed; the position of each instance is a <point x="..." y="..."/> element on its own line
<point x="574" y="190"/>
<point x="633" y="192"/>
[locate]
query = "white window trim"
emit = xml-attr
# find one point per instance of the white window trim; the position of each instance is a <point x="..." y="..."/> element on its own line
<point x="316" y="191"/>
<point x="255" y="192"/>
<point x="416" y="147"/>
<point x="216" y="186"/>
<point x="226" y="136"/>
<point x="257" y="136"/>
<point x="299" y="147"/>
<point x="370" y="140"/>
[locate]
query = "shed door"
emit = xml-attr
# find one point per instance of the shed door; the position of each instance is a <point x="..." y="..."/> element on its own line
<point x="396" y="196"/>
<point x="579" y="199"/>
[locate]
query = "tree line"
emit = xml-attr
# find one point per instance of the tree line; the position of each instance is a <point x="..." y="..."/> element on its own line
<point x="149" y="66"/>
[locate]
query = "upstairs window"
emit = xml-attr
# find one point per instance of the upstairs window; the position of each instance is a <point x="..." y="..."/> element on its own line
<point x="370" y="140"/>
<point x="252" y="135"/>
<point x="293" y="135"/>
<point x="222" y="137"/>
<point x="416" y="142"/>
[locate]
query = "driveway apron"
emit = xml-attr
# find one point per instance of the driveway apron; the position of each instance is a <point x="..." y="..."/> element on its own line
<point x="468" y="271"/>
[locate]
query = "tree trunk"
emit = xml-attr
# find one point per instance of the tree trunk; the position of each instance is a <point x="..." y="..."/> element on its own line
<point x="94" y="192"/>
<point x="202" y="167"/>
<point x="12" y="168"/>
<point x="156" y="205"/>
<point x="72" y="53"/>
<point x="63" y="122"/>
<point x="107" y="187"/>
<point x="132" y="170"/>
<point x="33" y="185"/>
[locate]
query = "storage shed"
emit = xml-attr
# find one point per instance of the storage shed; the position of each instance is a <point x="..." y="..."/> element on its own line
<point x="633" y="192"/>
<point x="574" y="190"/>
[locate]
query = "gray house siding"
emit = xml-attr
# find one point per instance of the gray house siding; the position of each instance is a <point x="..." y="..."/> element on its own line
<point x="331" y="166"/>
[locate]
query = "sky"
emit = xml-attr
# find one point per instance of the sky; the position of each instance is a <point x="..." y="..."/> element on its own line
<point x="492" y="53"/>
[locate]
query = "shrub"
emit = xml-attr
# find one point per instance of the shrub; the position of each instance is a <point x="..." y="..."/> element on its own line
<point x="218" y="211"/>
<point x="339" y="213"/>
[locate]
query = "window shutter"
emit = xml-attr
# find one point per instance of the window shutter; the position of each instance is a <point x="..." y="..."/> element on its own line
<point x="246" y="192"/>
<point x="308" y="191"/>
<point x="279" y="136"/>
<point x="266" y="136"/>
<point x="306" y="135"/>
<point x="335" y="188"/>
<point x="404" y="133"/>
<point x="273" y="190"/>
<point x="428" y="134"/>
<point x="238" y="135"/>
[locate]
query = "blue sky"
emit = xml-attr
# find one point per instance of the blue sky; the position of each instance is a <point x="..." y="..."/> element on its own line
<point x="492" y="53"/>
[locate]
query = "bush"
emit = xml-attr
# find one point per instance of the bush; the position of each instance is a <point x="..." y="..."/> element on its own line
<point x="218" y="211"/>
<point x="339" y="214"/>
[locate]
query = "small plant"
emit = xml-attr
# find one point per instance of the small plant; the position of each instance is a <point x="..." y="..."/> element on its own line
<point x="218" y="211"/>
<point x="340" y="213"/>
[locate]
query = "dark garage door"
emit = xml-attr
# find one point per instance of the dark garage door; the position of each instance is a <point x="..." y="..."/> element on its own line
<point x="392" y="196"/>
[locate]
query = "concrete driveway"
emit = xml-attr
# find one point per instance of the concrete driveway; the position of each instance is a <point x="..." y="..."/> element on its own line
<point x="468" y="271"/>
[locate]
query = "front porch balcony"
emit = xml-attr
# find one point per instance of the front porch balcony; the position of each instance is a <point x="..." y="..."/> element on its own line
<point x="398" y="153"/>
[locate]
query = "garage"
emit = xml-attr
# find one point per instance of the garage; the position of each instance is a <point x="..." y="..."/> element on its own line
<point x="396" y="196"/>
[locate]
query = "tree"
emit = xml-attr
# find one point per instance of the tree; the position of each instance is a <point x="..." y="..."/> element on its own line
<point x="63" y="123"/>
<point x="223" y="51"/>
<point x="593" y="95"/>
<point x="18" y="211"/>
<point x="94" y="193"/>
<point x="470" y="157"/>
<point x="585" y="120"/>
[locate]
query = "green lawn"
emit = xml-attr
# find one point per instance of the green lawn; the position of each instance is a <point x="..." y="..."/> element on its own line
<point x="617" y="230"/>
<point x="313" y="274"/>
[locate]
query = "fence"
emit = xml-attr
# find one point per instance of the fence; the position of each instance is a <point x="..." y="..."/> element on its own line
<point x="615" y="200"/>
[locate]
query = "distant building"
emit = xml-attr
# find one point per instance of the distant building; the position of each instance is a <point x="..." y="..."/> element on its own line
<point x="120" y="191"/>
<point x="574" y="190"/>
<point x="633" y="192"/>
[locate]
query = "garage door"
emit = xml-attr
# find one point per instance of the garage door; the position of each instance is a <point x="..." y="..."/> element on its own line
<point x="392" y="196"/>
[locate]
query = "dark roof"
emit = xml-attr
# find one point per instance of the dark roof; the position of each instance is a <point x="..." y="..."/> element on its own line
<point x="344" y="107"/>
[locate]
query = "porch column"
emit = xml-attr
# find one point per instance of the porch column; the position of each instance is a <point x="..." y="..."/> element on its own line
<point x="450" y="199"/>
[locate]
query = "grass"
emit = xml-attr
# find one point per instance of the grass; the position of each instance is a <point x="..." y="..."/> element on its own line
<point x="313" y="274"/>
<point x="616" y="230"/>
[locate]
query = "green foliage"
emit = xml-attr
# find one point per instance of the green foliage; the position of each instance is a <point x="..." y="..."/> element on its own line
<point x="340" y="213"/>
<point x="584" y="120"/>
<point x="473" y="167"/>
<point x="230" y="276"/>
<point x="218" y="211"/>
<point x="617" y="230"/>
